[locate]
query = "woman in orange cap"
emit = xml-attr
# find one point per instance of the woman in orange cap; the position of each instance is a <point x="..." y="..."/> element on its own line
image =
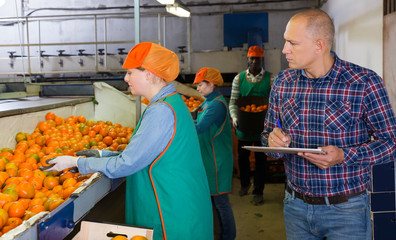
<point x="166" y="186"/>
<point x="254" y="81"/>
<point x="214" y="133"/>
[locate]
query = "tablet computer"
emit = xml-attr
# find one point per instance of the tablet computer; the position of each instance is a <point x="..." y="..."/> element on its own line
<point x="284" y="149"/>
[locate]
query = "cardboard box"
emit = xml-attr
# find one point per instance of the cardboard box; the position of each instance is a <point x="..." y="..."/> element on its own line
<point x="97" y="230"/>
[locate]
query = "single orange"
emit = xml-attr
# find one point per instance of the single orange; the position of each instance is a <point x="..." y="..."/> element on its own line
<point x="21" y="136"/>
<point x="37" y="208"/>
<point x="26" y="190"/>
<point x="108" y="140"/>
<point x="3" y="162"/>
<point x="3" y="217"/>
<point x="43" y="126"/>
<point x="25" y="172"/>
<point x="139" y="238"/>
<point x="81" y="119"/>
<point x="54" y="204"/>
<point x="16" y="209"/>
<point x="13" y="193"/>
<point x="39" y="173"/>
<point x="12" y="172"/>
<point x="41" y="195"/>
<point x="92" y="134"/>
<point x="70" y="182"/>
<point x="119" y="237"/>
<point x="36" y="201"/>
<point x="5" y="198"/>
<point x="28" y="214"/>
<point x="7" y="228"/>
<point x="50" y="116"/>
<point x="14" y="221"/>
<point x="121" y="147"/>
<point x="112" y="133"/>
<point x="7" y="155"/>
<point x="58" y="120"/>
<point x="104" y="131"/>
<point x="65" y="176"/>
<point x="58" y="190"/>
<point x="50" y="182"/>
<point x="68" y="191"/>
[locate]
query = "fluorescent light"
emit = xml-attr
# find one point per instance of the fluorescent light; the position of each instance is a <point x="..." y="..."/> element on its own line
<point x="166" y="2"/>
<point x="177" y="10"/>
<point x="2" y="2"/>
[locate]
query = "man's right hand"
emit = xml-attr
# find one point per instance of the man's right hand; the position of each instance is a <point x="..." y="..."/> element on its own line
<point x="90" y="153"/>
<point x="278" y="138"/>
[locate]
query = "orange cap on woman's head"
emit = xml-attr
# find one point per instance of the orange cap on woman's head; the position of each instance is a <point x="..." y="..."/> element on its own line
<point x="255" y="51"/>
<point x="209" y="74"/>
<point x="161" y="61"/>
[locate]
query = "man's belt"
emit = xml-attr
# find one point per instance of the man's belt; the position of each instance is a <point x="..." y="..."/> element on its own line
<point x="322" y="200"/>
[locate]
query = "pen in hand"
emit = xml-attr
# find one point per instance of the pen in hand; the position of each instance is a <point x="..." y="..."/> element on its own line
<point x="279" y="125"/>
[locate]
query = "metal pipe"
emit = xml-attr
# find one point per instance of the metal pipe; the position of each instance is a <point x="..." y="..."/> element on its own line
<point x="63" y="72"/>
<point x="137" y="41"/>
<point x="72" y="16"/>
<point x="159" y="27"/>
<point x="96" y="44"/>
<point x="73" y="43"/>
<point x="189" y="42"/>
<point x="164" y="27"/>
<point x="28" y="47"/>
<point x="41" y="62"/>
<point x="105" y="38"/>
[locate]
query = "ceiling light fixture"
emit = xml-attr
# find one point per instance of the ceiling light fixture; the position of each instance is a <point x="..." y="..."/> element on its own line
<point x="178" y="10"/>
<point x="166" y="2"/>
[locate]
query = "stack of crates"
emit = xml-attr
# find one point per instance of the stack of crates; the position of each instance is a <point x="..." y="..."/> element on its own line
<point x="383" y="201"/>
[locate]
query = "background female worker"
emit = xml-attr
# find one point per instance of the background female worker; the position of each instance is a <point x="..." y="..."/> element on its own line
<point x="214" y="133"/>
<point x="166" y="185"/>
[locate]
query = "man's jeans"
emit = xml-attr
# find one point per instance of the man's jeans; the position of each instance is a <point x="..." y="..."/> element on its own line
<point x="226" y="217"/>
<point x="349" y="220"/>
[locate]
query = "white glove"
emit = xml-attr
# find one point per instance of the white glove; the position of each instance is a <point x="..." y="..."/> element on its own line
<point x="60" y="163"/>
<point x="90" y="153"/>
<point x="235" y="122"/>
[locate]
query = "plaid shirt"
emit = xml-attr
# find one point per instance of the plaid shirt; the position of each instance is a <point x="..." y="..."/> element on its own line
<point x="348" y="108"/>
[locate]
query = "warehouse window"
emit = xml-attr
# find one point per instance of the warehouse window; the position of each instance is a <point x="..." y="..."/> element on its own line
<point x="389" y="6"/>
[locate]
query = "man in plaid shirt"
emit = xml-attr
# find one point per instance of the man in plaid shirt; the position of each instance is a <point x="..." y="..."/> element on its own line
<point x="344" y="109"/>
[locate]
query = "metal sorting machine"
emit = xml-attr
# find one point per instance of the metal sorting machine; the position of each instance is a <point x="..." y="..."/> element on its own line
<point x="22" y="115"/>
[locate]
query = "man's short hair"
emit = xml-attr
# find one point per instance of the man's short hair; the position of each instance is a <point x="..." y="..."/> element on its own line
<point x="319" y="24"/>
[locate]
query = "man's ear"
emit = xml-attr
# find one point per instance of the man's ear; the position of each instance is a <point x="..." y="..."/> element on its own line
<point x="320" y="45"/>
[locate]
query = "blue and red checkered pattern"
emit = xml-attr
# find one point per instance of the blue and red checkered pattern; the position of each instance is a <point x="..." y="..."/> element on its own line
<point x="348" y="108"/>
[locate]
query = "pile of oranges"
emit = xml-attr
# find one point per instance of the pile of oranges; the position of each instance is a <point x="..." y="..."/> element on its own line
<point x="254" y="108"/>
<point x="25" y="189"/>
<point x="192" y="102"/>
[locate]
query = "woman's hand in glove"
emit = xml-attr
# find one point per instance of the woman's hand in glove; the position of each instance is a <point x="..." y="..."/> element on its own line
<point x="60" y="163"/>
<point x="90" y="153"/>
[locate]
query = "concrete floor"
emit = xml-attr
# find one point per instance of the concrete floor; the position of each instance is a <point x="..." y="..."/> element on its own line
<point x="259" y="222"/>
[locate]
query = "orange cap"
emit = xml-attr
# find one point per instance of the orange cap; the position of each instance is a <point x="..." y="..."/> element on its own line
<point x="160" y="61"/>
<point x="255" y="51"/>
<point x="209" y="74"/>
